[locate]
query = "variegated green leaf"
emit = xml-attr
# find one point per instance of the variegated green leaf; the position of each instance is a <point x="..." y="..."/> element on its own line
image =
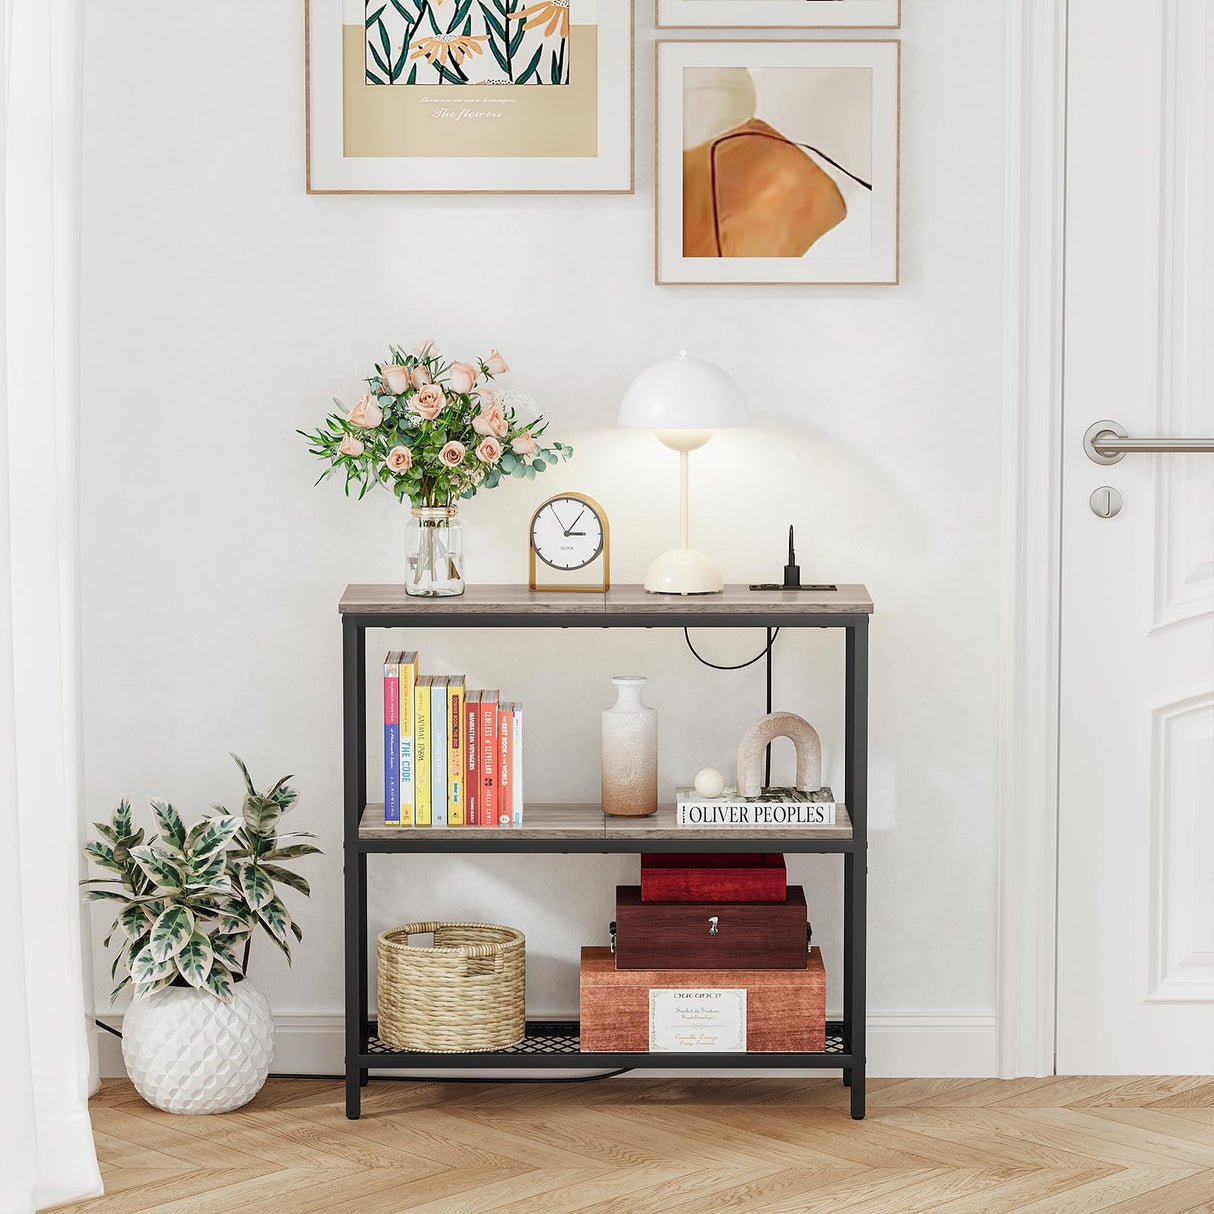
<point x="293" y="851"/>
<point x="261" y="813"/>
<point x="194" y="960"/>
<point x="157" y="868"/>
<point x="276" y="918"/>
<point x="219" y="982"/>
<point x="121" y="986"/>
<point x="159" y="985"/>
<point x="135" y="921"/>
<point x="122" y="820"/>
<point x="145" y="968"/>
<point x="257" y="887"/>
<point x="171" y="931"/>
<point x="296" y="930"/>
<point x="229" y="923"/>
<point x="169" y="821"/>
<point x="227" y="952"/>
<point x="103" y="855"/>
<point x="211" y="838"/>
<point x="286" y="877"/>
<point x="105" y="895"/>
<point x="244" y="771"/>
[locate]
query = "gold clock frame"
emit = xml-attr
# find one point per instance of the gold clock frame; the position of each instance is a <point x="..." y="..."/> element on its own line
<point x="606" y="553"/>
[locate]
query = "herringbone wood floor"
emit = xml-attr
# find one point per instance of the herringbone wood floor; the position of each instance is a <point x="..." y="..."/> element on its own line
<point x="631" y="1146"/>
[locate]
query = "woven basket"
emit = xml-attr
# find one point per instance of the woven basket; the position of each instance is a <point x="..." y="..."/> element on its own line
<point x="466" y="993"/>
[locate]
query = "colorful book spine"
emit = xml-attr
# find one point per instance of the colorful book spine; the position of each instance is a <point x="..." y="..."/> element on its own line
<point x="408" y="691"/>
<point x="392" y="739"/>
<point x="421" y="751"/>
<point x="516" y="773"/>
<point x="456" y="727"/>
<point x="472" y="782"/>
<point x="438" y="750"/>
<point x="487" y="759"/>
<point x="505" y="763"/>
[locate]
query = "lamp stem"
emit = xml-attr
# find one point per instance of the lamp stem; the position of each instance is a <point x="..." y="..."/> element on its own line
<point x="684" y="510"/>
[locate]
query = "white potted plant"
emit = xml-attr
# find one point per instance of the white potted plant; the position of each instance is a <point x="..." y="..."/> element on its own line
<point x="198" y="1036"/>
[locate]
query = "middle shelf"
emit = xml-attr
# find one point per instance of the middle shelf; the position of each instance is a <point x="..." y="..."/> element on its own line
<point x="572" y="827"/>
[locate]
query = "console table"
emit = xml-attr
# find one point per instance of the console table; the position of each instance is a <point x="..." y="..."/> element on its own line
<point x="583" y="828"/>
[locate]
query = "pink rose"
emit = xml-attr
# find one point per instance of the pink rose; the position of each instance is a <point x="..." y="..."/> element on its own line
<point x="400" y="459"/>
<point x="487" y="398"/>
<point x="452" y="454"/>
<point x="489" y="451"/>
<point x="425" y="348"/>
<point x="495" y="364"/>
<point x="524" y="444"/>
<point x="350" y="446"/>
<point x="491" y="421"/>
<point x="429" y="402"/>
<point x="366" y="414"/>
<point x="395" y="379"/>
<point x="420" y="377"/>
<point x="462" y="377"/>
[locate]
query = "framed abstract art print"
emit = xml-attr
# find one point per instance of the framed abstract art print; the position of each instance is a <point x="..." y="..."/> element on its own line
<point x="781" y="14"/>
<point x="469" y="96"/>
<point x="777" y="162"/>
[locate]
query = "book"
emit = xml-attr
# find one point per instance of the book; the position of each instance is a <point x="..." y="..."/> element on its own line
<point x="408" y="686"/>
<point x="487" y="759"/>
<point x="421" y="751"/>
<point x="392" y="738"/>
<point x="505" y="763"/>
<point x="456" y="728"/>
<point x="438" y="750"/>
<point x="472" y="733"/>
<point x="776" y="807"/>
<point x="516" y="774"/>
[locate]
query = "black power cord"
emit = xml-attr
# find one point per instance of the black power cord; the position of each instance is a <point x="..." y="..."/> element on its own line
<point x="764" y="652"/>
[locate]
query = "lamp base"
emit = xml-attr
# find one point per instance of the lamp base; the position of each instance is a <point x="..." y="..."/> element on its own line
<point x="684" y="571"/>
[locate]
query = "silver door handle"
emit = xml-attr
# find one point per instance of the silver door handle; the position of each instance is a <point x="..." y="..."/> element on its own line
<point x="1108" y="443"/>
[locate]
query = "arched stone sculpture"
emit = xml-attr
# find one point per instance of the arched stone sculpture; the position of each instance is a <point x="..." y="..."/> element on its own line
<point x="761" y="734"/>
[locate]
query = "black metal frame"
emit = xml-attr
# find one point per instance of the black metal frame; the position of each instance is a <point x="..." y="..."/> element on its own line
<point x="360" y="1032"/>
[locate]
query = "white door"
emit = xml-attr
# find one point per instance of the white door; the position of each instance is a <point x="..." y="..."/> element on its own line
<point x="1136" y="811"/>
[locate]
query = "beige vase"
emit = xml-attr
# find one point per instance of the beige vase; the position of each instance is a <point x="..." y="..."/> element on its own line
<point x="630" y="752"/>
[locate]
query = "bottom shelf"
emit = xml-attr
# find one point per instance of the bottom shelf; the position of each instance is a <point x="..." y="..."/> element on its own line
<point x="556" y="1043"/>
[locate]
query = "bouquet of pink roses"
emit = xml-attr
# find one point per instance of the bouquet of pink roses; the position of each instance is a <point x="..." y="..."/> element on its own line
<point x="433" y="431"/>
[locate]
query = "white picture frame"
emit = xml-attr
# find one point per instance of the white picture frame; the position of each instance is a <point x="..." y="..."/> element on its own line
<point x="394" y="138"/>
<point x="836" y="101"/>
<point x="779" y="14"/>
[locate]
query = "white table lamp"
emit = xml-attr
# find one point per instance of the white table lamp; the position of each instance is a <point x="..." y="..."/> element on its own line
<point x="683" y="400"/>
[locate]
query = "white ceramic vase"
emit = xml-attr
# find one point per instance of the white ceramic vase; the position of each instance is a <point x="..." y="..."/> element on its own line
<point x="188" y="1052"/>
<point x="630" y="752"/>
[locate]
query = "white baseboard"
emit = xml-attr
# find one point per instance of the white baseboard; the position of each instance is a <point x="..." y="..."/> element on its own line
<point x="902" y="1045"/>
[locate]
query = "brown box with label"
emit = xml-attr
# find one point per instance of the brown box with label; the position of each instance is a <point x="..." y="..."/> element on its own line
<point x="785" y="1009"/>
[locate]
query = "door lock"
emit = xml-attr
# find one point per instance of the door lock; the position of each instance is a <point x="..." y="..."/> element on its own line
<point x="1106" y="502"/>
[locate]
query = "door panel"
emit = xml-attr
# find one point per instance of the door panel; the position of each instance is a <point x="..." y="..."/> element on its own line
<point x="1136" y="808"/>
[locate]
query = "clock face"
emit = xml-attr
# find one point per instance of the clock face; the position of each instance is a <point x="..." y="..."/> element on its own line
<point x="567" y="533"/>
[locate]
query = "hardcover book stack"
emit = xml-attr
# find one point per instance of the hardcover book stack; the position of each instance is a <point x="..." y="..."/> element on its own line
<point x="452" y="757"/>
<point x="710" y="953"/>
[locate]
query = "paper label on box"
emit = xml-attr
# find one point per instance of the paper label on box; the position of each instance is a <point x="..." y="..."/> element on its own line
<point x="710" y="1021"/>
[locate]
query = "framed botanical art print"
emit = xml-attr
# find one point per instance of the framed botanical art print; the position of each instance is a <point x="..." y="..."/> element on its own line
<point x="778" y="162"/>
<point x="782" y="14"/>
<point x="469" y="96"/>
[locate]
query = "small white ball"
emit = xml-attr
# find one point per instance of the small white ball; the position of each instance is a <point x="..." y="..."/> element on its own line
<point x="709" y="783"/>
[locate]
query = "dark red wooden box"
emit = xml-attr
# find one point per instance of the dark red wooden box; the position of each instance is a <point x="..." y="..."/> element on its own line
<point x="714" y="877"/>
<point x="711" y="934"/>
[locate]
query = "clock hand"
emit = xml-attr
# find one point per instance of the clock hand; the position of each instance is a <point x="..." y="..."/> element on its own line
<point x="575" y="521"/>
<point x="558" y="520"/>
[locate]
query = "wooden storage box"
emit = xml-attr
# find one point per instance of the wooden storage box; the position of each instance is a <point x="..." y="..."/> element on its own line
<point x="713" y="877"/>
<point x="709" y="935"/>
<point x="785" y="1009"/>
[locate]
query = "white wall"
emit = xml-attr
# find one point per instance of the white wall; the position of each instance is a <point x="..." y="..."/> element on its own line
<point x="224" y="307"/>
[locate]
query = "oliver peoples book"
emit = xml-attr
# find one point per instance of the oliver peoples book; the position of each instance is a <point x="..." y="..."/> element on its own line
<point x="776" y="807"/>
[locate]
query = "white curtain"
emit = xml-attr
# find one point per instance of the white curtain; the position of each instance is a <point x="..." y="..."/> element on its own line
<point x="46" y="1142"/>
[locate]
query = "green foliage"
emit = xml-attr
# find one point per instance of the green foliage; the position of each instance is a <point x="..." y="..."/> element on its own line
<point x="363" y="445"/>
<point x="189" y="901"/>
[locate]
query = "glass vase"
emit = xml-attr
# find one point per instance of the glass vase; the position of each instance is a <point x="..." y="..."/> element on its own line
<point x="435" y="553"/>
<point x="630" y="752"/>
